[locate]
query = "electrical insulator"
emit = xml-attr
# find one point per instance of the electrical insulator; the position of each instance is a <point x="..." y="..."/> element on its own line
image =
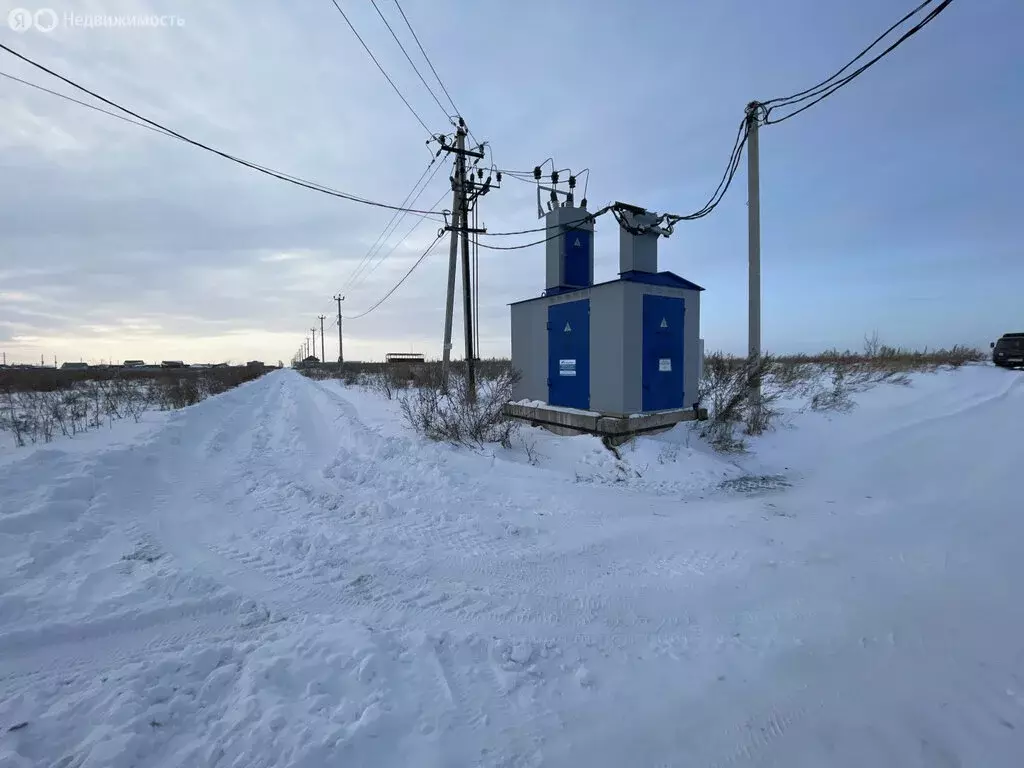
<point x="583" y="203"/>
<point x="462" y="123"/>
<point x="499" y="177"/>
<point x="479" y="173"/>
<point x="554" y="177"/>
<point x="536" y="172"/>
<point x="572" y="181"/>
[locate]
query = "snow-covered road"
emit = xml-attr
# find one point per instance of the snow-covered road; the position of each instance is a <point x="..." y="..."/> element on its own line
<point x="282" y="575"/>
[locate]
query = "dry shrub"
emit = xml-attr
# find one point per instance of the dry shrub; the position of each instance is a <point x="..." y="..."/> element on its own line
<point x="449" y="414"/>
<point x="824" y="382"/>
<point x="70" y="406"/>
<point x="896" y="360"/>
<point x="725" y="389"/>
<point x="391" y="380"/>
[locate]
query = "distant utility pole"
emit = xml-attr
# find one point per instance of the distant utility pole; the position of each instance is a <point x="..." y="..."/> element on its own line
<point x="323" y="358"/>
<point x="313" y="336"/>
<point x="462" y="186"/>
<point x="341" y="356"/>
<point x="754" y="246"/>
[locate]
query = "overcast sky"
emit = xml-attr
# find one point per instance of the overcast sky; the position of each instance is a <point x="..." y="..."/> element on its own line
<point x="892" y="206"/>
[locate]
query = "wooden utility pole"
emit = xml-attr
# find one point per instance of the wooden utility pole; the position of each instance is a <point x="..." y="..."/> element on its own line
<point x="323" y="358"/>
<point x="753" y="249"/>
<point x="341" y="356"/>
<point x="313" y="348"/>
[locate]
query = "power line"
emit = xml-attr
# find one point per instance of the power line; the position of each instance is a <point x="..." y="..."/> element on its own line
<point x="827" y="87"/>
<point x="426" y="58"/>
<point x="585" y="220"/>
<point x="296" y="180"/>
<point x="820" y="91"/>
<point x="824" y="82"/>
<point x="726" y="181"/>
<point x="409" y="59"/>
<point x="395" y="219"/>
<point x="405" y="237"/>
<point x="87" y="105"/>
<point x="398" y="285"/>
<point x="386" y="75"/>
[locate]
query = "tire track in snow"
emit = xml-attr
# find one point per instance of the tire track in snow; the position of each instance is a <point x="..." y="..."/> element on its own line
<point x="101" y="646"/>
<point x="372" y="586"/>
<point x="59" y="649"/>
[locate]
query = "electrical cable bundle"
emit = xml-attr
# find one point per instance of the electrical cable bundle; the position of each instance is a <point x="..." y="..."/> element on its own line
<point x="830" y="85"/>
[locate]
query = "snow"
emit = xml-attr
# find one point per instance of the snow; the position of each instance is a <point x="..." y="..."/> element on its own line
<point x="560" y="408"/>
<point x="283" y="575"/>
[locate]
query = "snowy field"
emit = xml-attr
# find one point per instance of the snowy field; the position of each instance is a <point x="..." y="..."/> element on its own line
<point x="283" y="575"/>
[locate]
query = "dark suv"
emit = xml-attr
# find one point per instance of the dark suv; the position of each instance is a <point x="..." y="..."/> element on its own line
<point x="1008" y="352"/>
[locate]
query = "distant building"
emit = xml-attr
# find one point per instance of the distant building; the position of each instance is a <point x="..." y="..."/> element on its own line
<point x="254" y="364"/>
<point x="173" y="364"/>
<point x="134" y="363"/>
<point x="404" y="357"/>
<point x="75" y="367"/>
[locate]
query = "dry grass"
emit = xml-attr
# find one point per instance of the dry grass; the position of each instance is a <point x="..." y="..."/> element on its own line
<point x="444" y="414"/>
<point x="56" y="379"/>
<point x="824" y="382"/>
<point x="36" y="407"/>
<point x="415" y="373"/>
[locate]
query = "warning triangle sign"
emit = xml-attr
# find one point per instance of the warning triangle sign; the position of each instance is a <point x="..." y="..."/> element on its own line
<point x="577" y="243"/>
<point x="664" y="323"/>
<point x="568" y="328"/>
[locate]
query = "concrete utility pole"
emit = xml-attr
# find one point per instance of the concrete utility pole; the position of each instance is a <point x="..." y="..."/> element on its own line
<point x="460" y="225"/>
<point x="458" y="180"/>
<point x="323" y="358"/>
<point x="313" y="336"/>
<point x="753" y="245"/>
<point x="341" y="357"/>
<point x="467" y="299"/>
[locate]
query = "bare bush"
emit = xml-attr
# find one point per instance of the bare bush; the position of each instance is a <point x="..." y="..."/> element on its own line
<point x="172" y="394"/>
<point x="726" y="389"/>
<point x="532" y="455"/>
<point x="824" y="383"/>
<point x="391" y="380"/>
<point x="452" y="416"/>
<point x="77" y="405"/>
<point x="838" y="396"/>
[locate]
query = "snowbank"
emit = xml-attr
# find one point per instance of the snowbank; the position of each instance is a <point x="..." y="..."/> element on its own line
<point x="283" y="575"/>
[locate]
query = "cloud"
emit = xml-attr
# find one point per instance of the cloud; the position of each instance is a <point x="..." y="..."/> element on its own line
<point x="116" y="242"/>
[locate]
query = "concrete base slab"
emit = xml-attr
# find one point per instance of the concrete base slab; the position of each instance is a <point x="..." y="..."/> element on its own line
<point x="614" y="429"/>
